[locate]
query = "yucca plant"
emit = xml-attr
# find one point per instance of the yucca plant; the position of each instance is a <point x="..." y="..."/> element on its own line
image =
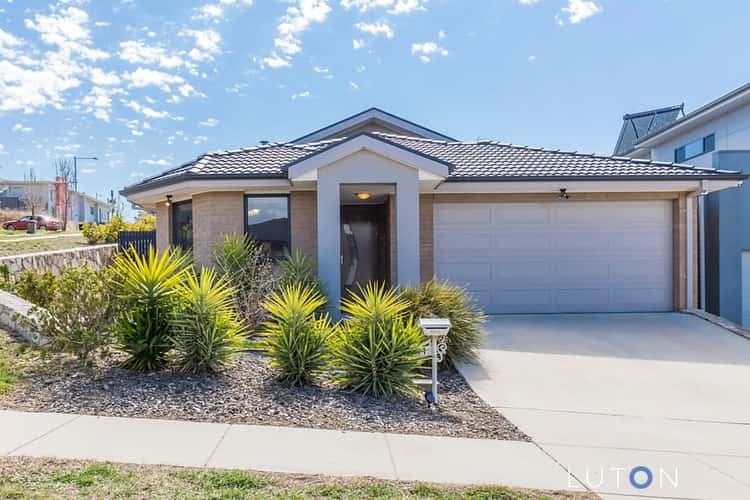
<point x="148" y="287"/>
<point x="295" y="337"/>
<point x="241" y="261"/>
<point x="441" y="299"/>
<point x="207" y="333"/>
<point x="298" y="268"/>
<point x="378" y="349"/>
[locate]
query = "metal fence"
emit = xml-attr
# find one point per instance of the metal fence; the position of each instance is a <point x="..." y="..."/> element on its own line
<point x="140" y="240"/>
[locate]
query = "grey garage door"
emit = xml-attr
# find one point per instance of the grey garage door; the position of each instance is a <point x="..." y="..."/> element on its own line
<point x="558" y="257"/>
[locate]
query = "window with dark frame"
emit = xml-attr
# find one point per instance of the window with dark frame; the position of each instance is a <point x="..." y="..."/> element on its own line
<point x="695" y="148"/>
<point x="267" y="222"/>
<point x="182" y="224"/>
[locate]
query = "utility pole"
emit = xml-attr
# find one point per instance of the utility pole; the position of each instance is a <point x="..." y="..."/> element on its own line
<point x="75" y="169"/>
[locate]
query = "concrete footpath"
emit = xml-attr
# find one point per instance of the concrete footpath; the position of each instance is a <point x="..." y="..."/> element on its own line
<point x="281" y="449"/>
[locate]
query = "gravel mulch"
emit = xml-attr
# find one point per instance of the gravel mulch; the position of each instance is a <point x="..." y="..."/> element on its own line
<point x="247" y="393"/>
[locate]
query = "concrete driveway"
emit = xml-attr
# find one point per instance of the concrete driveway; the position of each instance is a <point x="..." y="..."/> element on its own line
<point x="605" y="393"/>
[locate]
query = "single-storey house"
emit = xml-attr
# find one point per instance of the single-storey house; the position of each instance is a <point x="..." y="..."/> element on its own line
<point x="378" y="197"/>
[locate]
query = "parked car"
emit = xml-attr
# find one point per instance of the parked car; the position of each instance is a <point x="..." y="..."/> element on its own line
<point x="42" y="222"/>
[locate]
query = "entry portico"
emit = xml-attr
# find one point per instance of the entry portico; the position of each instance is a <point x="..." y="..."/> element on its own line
<point x="364" y="160"/>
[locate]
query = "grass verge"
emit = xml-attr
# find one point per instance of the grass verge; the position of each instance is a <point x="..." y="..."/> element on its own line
<point x="9" y="246"/>
<point x="47" y="478"/>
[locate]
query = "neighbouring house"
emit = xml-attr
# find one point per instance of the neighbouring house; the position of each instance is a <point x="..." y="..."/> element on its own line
<point x="49" y="198"/>
<point x="378" y="197"/>
<point x="716" y="135"/>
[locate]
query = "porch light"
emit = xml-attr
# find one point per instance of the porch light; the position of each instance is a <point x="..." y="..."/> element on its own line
<point x="169" y="200"/>
<point x="363" y="196"/>
<point x="563" y="194"/>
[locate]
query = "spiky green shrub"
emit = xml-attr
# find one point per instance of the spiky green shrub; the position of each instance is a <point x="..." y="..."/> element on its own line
<point x="441" y="299"/>
<point x="378" y="350"/>
<point x="207" y="333"/>
<point x="37" y="287"/>
<point x="295" y="337"/>
<point x="300" y="269"/>
<point x="241" y="261"/>
<point x="148" y="287"/>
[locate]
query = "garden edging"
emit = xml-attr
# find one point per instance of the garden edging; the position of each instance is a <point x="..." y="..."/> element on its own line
<point x="96" y="256"/>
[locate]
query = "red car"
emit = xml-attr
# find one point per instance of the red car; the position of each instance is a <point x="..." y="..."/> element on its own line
<point x="42" y="222"/>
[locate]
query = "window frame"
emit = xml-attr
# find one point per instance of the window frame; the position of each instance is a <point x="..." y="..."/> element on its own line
<point x="173" y="210"/>
<point x="703" y="140"/>
<point x="245" y="225"/>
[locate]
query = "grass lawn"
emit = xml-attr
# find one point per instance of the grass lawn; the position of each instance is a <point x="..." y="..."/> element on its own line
<point x="15" y="359"/>
<point x="48" y="478"/>
<point x="9" y="246"/>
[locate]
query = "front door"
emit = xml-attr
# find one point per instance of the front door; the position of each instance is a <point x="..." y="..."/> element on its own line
<point x="362" y="242"/>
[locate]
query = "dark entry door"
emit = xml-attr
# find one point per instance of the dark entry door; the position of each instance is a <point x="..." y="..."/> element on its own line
<point x="359" y="246"/>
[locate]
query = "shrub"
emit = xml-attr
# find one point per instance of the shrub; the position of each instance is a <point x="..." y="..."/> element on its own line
<point x="93" y="233"/>
<point x="299" y="269"/>
<point x="207" y="334"/>
<point x="107" y="233"/>
<point x="148" y="286"/>
<point x="435" y="299"/>
<point x="241" y="260"/>
<point x="79" y="317"/>
<point x="379" y="350"/>
<point x="37" y="287"/>
<point x="295" y="337"/>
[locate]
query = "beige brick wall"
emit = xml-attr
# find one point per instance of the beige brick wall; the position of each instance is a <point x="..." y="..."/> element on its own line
<point x="163" y="226"/>
<point x="303" y="212"/>
<point x="214" y="215"/>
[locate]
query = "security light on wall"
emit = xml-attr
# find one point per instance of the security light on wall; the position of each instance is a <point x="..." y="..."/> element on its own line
<point x="363" y="196"/>
<point x="169" y="200"/>
<point x="563" y="194"/>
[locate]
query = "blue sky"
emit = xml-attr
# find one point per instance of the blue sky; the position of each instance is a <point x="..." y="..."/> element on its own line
<point x="144" y="85"/>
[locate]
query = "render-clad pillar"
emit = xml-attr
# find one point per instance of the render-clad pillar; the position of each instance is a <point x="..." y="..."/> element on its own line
<point x="329" y="244"/>
<point x="407" y="230"/>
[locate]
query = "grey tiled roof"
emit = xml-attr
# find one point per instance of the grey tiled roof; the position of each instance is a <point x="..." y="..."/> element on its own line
<point x="482" y="160"/>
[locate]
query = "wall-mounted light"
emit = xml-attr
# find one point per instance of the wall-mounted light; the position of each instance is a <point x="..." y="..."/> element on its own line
<point x="169" y="200"/>
<point x="563" y="194"/>
<point x="363" y="196"/>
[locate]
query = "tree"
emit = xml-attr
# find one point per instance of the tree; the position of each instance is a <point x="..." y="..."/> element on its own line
<point x="32" y="197"/>
<point x="65" y="171"/>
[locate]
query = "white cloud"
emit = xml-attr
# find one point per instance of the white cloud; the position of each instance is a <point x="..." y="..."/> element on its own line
<point x="275" y="61"/>
<point x="148" y="112"/>
<point x="100" y="77"/>
<point x="441" y="35"/>
<point x="68" y="148"/>
<point x="137" y="52"/>
<point x="360" y="68"/>
<point x="209" y="11"/>
<point x="88" y="170"/>
<point x="199" y="139"/>
<point x="298" y="19"/>
<point x="376" y="29"/>
<point x="358" y="43"/>
<point x="320" y="69"/>
<point x="136" y="133"/>
<point x="578" y="10"/>
<point x="528" y="2"/>
<point x="160" y="162"/>
<point x="207" y="44"/>
<point x="209" y="122"/>
<point x="299" y="95"/>
<point x="138" y="175"/>
<point x="532" y="58"/>
<point x="19" y="127"/>
<point x="425" y="51"/>
<point x="67" y="29"/>
<point x="353" y="85"/>
<point x="144" y="77"/>
<point x="2" y="150"/>
<point x="102" y="24"/>
<point x="395" y="6"/>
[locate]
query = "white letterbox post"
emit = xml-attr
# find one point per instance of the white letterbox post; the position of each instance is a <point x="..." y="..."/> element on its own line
<point x="437" y="330"/>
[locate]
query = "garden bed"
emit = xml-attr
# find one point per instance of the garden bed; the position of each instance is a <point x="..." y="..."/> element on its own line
<point x="247" y="393"/>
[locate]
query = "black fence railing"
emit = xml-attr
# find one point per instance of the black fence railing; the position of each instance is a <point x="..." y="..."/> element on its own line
<point x="140" y="240"/>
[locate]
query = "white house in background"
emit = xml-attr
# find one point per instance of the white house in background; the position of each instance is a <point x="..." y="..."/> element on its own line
<point x="715" y="135"/>
<point x="48" y="194"/>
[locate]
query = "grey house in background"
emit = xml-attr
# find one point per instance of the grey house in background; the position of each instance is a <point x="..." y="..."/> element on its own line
<point x="714" y="135"/>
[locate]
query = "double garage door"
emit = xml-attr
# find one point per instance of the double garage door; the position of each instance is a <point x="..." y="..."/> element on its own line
<point x="558" y="257"/>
